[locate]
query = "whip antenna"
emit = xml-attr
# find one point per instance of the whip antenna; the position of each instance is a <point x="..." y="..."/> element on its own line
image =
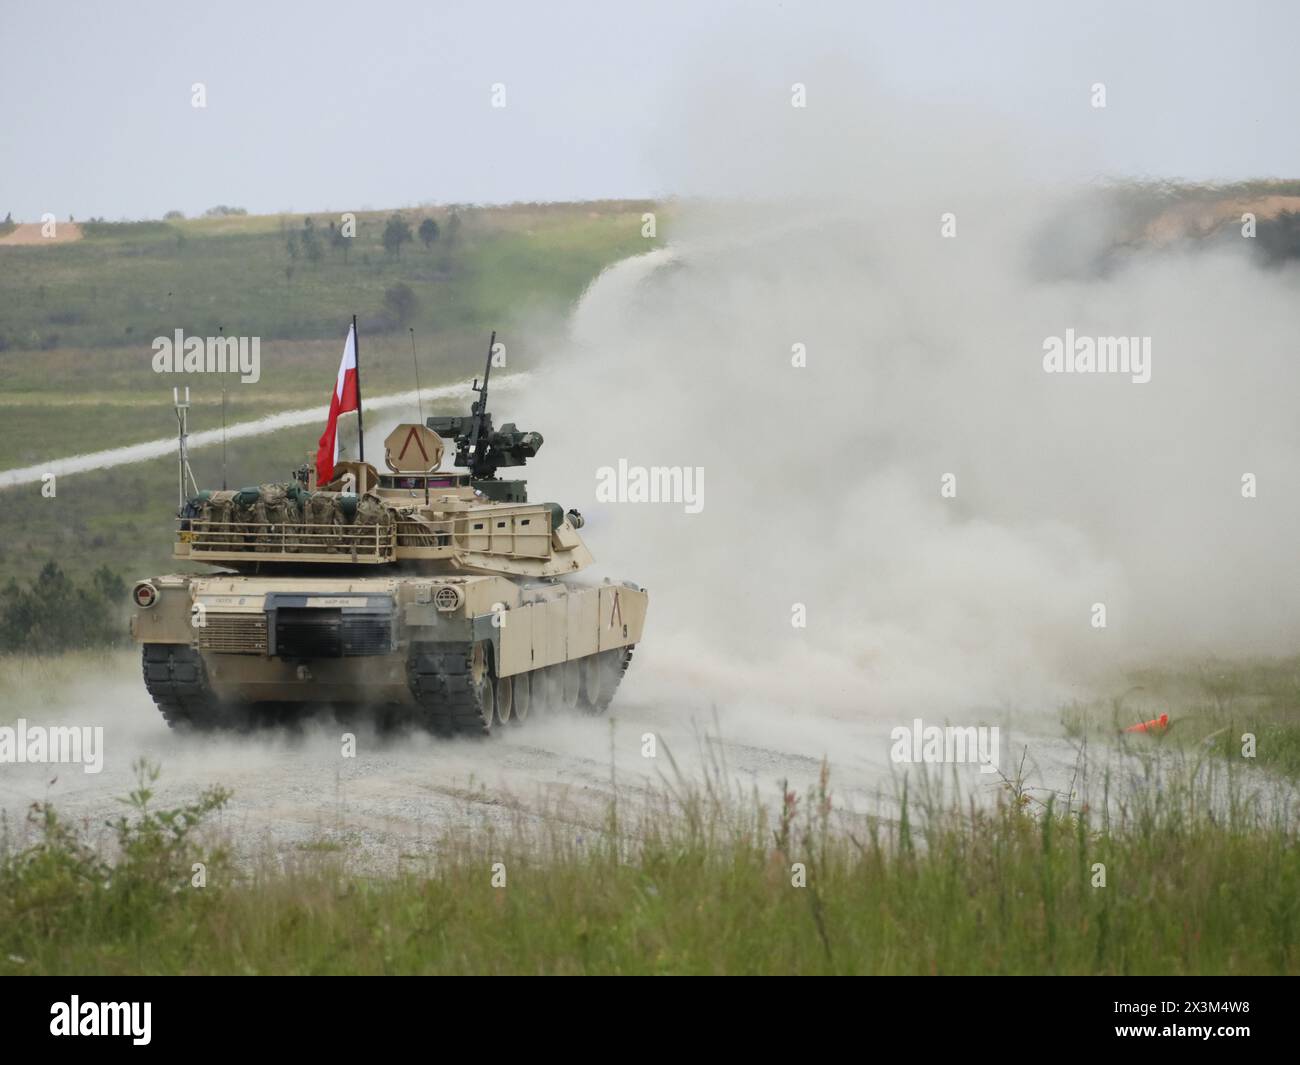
<point x="223" y="439"/>
<point x="419" y="400"/>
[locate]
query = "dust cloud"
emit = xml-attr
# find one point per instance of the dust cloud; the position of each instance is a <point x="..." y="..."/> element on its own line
<point x="924" y="358"/>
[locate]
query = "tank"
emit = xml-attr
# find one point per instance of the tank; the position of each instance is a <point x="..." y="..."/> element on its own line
<point x="440" y="599"/>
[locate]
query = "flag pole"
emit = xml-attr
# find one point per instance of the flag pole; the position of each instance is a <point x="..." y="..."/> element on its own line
<point x="356" y="352"/>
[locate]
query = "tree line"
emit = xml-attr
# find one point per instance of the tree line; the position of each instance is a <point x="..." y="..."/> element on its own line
<point x="52" y="613"/>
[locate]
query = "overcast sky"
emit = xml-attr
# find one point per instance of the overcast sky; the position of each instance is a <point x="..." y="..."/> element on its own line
<point x="382" y="104"/>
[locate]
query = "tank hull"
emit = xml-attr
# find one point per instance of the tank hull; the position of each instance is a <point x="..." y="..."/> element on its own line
<point x="453" y="654"/>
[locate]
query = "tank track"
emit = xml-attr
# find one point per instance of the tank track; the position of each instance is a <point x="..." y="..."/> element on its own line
<point x="176" y="680"/>
<point x="441" y="679"/>
<point x="450" y="700"/>
<point x="607" y="689"/>
<point x="452" y="704"/>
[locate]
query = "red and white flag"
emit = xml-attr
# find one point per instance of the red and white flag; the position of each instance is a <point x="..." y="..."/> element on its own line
<point x="346" y="398"/>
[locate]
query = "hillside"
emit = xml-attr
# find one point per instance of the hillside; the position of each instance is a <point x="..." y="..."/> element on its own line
<point x="77" y="323"/>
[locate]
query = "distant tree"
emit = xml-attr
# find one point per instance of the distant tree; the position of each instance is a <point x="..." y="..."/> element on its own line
<point x="339" y="242"/>
<point x="428" y="232"/>
<point x="400" y="300"/>
<point x="396" y="233"/>
<point x="453" y="227"/>
<point x="9" y="218"/>
<point x="173" y="216"/>
<point x="52" y="614"/>
<point x="108" y="585"/>
<point x="222" y="211"/>
<point x="311" y="245"/>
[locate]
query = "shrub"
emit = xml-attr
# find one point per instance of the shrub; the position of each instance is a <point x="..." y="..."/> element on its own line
<point x="396" y="233"/>
<point x="53" y="614"/>
<point x="401" y="301"/>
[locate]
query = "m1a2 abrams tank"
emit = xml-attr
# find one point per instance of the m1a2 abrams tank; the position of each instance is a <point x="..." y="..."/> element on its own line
<point x="441" y="599"/>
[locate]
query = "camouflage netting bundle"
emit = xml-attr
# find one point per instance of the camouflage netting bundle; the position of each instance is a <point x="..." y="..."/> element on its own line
<point x="258" y="515"/>
<point x="288" y="517"/>
<point x="216" y="513"/>
<point x="322" y="515"/>
<point x="374" y="522"/>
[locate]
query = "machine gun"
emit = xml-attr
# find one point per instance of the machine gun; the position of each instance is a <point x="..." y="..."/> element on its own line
<point x="480" y="448"/>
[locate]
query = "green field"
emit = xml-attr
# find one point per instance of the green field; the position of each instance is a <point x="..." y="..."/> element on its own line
<point x="126" y="283"/>
<point x="77" y="322"/>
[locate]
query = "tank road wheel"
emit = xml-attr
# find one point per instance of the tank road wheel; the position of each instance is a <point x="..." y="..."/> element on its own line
<point x="572" y="684"/>
<point x="177" y="681"/>
<point x="591" y="672"/>
<point x="505" y="702"/>
<point x="522" y="697"/>
<point x="601" y="674"/>
<point x="548" y="688"/>
<point x="454" y="687"/>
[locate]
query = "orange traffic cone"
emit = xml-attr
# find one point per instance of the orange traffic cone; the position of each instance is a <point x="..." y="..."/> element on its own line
<point x="1161" y="723"/>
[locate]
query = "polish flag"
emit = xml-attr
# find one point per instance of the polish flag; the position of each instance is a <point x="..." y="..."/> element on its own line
<point x="344" y="399"/>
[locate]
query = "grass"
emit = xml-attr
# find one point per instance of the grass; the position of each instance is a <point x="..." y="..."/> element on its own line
<point x="1213" y="706"/>
<point x="77" y="322"/>
<point x="46" y="680"/>
<point x="129" y="282"/>
<point x="696" y="879"/>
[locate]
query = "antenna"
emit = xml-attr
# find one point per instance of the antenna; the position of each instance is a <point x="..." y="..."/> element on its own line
<point x="182" y="420"/>
<point x="419" y="400"/>
<point x="416" y="363"/>
<point x="223" y="439"/>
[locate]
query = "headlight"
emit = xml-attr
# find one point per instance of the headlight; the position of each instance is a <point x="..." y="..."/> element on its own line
<point x="145" y="595"/>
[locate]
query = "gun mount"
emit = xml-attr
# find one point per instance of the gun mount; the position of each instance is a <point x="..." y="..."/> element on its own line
<point x="480" y="448"/>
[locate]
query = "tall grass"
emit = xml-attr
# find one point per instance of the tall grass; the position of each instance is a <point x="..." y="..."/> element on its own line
<point x="1200" y="876"/>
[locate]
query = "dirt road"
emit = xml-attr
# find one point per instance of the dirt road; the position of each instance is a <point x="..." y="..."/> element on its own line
<point x="386" y="807"/>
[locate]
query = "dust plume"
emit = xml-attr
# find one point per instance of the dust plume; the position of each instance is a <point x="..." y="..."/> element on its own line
<point x="924" y="358"/>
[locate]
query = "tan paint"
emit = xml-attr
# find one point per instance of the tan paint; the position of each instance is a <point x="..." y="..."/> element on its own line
<point x="412" y="448"/>
<point x="571" y="623"/>
<point x="504" y="561"/>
